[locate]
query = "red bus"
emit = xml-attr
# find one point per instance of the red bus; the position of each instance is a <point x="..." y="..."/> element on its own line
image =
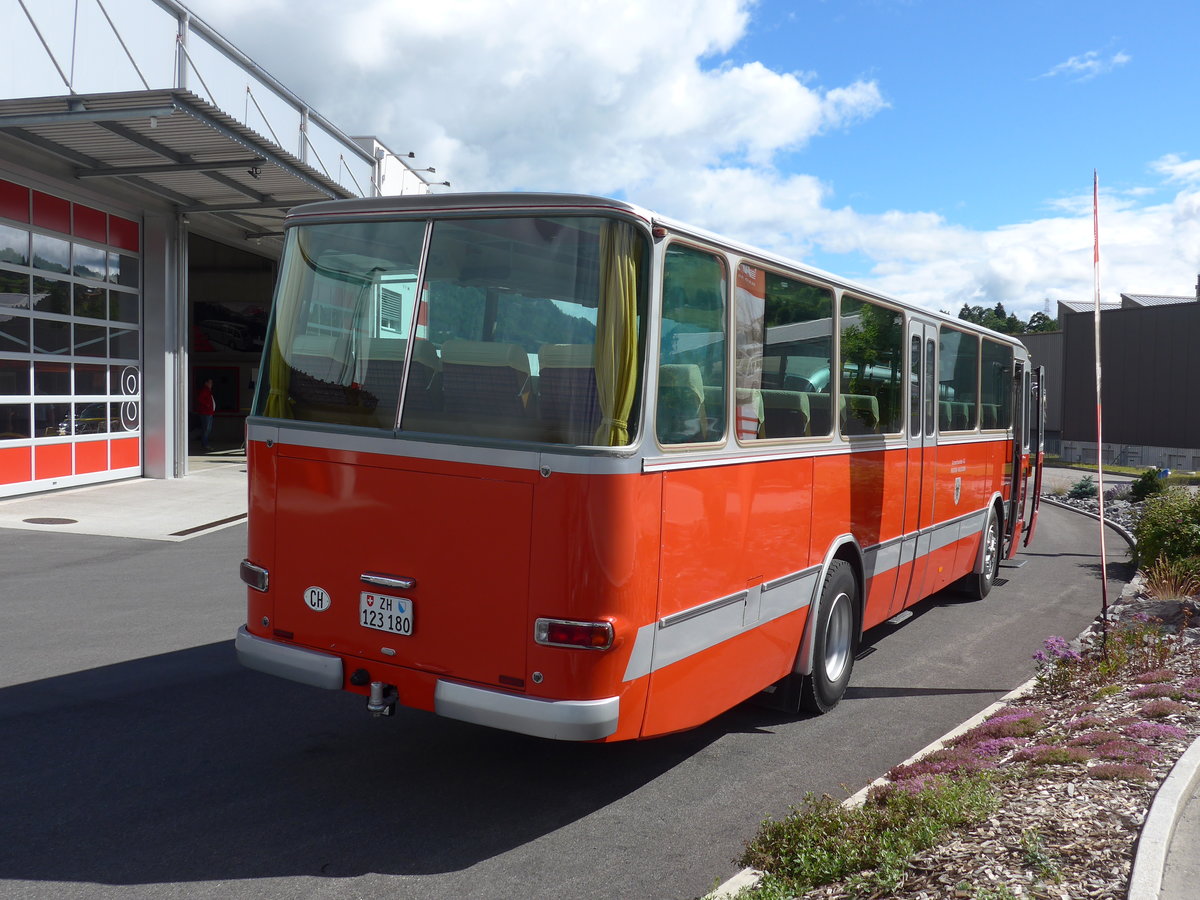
<point x="558" y="465"/>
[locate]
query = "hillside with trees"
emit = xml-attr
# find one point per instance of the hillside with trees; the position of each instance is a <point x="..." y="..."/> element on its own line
<point x="999" y="319"/>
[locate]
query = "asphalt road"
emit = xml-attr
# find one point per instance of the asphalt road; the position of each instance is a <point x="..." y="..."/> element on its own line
<point x="138" y="760"/>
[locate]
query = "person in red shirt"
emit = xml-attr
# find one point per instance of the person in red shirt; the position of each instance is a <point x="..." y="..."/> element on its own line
<point x="206" y="408"/>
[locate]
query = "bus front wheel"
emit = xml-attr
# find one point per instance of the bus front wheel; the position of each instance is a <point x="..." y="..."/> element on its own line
<point x="980" y="585"/>
<point x="834" y="640"/>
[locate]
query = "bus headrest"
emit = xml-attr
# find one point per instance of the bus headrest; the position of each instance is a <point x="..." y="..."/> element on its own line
<point x="484" y="353"/>
<point x="566" y="356"/>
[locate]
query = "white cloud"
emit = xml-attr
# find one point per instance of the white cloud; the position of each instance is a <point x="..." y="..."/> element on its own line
<point x="1178" y="170"/>
<point x="1088" y="65"/>
<point x="595" y="96"/>
<point x="1150" y="249"/>
<point x="637" y="99"/>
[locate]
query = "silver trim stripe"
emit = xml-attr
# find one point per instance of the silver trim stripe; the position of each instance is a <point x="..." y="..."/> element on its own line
<point x="691" y="631"/>
<point x="386" y="444"/>
<point x="894" y="553"/>
<point x="683" y="634"/>
<point x="703" y="609"/>
<point x="626" y="460"/>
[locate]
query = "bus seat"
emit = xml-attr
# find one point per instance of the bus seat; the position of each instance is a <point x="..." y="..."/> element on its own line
<point x="749" y="414"/>
<point x="945" y="415"/>
<point x="424" y="389"/>
<point x="484" y="378"/>
<point x="786" y="414"/>
<point x="681" y="416"/>
<point x="321" y="356"/>
<point x="859" y="413"/>
<point x="322" y="379"/>
<point x="714" y="409"/>
<point x="385" y="366"/>
<point x="820" y="413"/>
<point x="962" y="413"/>
<point x="991" y="415"/>
<point x="568" y="402"/>
<point x="381" y="369"/>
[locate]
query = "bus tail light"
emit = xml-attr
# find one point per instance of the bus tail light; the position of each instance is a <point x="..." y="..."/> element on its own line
<point x="255" y="576"/>
<point x="568" y="633"/>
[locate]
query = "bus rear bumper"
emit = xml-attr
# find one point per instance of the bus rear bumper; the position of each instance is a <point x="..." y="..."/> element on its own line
<point x="294" y="663"/>
<point x="563" y="720"/>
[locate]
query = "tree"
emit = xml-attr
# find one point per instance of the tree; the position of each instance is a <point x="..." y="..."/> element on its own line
<point x="999" y="319"/>
<point x="1040" y="322"/>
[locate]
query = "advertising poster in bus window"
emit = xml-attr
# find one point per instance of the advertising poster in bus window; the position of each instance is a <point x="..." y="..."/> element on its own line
<point x="750" y="303"/>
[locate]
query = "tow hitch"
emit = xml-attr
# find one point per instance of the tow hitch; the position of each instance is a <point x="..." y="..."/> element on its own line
<point x="382" y="701"/>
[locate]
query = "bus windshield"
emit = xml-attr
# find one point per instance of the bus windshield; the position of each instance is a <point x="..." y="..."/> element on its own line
<point x="526" y="328"/>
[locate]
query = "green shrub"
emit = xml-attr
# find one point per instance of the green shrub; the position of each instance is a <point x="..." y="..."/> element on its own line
<point x="1084" y="488"/>
<point x="1169" y="526"/>
<point x="1146" y="484"/>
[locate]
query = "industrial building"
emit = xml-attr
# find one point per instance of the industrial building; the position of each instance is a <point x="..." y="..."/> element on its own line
<point x="146" y="165"/>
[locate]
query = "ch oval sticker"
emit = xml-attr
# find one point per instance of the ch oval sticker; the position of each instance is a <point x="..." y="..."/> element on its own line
<point x="317" y="599"/>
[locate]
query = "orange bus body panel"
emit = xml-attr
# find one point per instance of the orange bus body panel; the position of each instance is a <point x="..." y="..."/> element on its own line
<point x="632" y="549"/>
<point x="726" y="531"/>
<point x="468" y="535"/>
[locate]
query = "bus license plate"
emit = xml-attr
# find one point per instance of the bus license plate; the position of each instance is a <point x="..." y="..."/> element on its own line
<point x="391" y="614"/>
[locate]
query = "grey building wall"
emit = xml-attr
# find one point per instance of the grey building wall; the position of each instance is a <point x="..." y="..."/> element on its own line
<point x="1150" y="381"/>
<point x="1047" y="350"/>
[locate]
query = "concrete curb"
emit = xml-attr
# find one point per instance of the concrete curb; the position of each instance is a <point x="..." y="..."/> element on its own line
<point x="1150" y="859"/>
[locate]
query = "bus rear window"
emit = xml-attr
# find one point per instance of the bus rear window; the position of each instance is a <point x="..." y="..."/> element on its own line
<point x="526" y="328"/>
<point x="341" y="323"/>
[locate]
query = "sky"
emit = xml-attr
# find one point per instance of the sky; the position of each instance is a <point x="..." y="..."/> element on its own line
<point x="940" y="151"/>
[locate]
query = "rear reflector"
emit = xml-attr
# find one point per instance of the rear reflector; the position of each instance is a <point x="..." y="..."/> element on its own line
<point x="567" y="633"/>
<point x="255" y="576"/>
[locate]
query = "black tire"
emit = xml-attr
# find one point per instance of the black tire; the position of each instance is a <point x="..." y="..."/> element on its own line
<point x="835" y="639"/>
<point x="980" y="585"/>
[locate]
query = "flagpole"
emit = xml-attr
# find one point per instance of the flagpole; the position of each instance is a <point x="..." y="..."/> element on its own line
<point x="1099" y="415"/>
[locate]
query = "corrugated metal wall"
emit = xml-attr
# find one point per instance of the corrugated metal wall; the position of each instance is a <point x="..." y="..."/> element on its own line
<point x="1047" y="350"/>
<point x="1151" y="377"/>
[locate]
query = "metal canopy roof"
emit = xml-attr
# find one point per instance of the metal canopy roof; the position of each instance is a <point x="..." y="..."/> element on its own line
<point x="176" y="146"/>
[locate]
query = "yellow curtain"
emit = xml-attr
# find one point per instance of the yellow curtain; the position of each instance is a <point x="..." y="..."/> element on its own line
<point x="616" y="332"/>
<point x="279" y="403"/>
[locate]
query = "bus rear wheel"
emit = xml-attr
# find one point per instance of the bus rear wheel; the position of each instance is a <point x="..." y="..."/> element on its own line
<point x="834" y="640"/>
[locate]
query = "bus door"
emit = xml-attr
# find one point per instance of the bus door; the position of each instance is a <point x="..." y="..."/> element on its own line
<point x="921" y="462"/>
<point x="1037" y="444"/>
<point x="1017" y="470"/>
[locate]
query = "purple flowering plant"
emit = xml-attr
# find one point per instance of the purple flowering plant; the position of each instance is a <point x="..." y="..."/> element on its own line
<point x="1154" y="731"/>
<point x="1120" y="772"/>
<point x="1158" y="709"/>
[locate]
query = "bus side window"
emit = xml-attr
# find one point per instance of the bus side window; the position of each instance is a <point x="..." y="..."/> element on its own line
<point x="958" y="373"/>
<point x="691" y="382"/>
<point x="996" y="387"/>
<point x="784" y="343"/>
<point x="872" y="367"/>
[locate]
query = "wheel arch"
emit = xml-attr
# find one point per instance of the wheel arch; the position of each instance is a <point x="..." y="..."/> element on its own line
<point x="844" y="547"/>
<point x="997" y="506"/>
